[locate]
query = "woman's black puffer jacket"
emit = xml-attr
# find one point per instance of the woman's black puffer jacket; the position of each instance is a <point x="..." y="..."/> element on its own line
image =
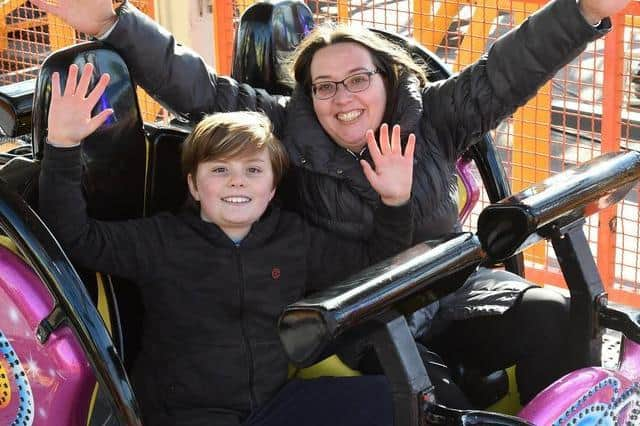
<point x="326" y="183"/>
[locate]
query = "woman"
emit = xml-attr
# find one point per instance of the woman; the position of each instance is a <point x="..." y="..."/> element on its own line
<point x="349" y="81"/>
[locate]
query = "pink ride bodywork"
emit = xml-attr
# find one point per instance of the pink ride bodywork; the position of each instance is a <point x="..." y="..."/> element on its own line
<point x="592" y="396"/>
<point x="39" y="384"/>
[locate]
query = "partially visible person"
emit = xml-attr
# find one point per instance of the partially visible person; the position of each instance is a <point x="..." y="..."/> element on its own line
<point x="348" y="82"/>
<point x="216" y="277"/>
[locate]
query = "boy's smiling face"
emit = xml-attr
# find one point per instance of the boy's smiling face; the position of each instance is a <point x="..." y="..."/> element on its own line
<point x="234" y="193"/>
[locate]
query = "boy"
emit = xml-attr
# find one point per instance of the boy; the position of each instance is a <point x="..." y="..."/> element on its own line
<point x="216" y="277"/>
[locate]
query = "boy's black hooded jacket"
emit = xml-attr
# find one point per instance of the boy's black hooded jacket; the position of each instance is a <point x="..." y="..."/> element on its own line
<point x="211" y="343"/>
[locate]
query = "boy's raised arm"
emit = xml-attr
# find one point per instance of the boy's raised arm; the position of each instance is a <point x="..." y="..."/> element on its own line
<point x="103" y="246"/>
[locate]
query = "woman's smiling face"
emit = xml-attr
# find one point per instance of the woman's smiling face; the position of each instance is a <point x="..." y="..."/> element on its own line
<point x="347" y="116"/>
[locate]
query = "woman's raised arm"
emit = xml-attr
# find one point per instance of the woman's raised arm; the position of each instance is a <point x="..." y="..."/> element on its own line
<point x="595" y="11"/>
<point x="92" y="17"/>
<point x="173" y="74"/>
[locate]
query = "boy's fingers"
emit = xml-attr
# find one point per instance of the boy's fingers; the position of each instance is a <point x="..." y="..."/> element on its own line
<point x="55" y="85"/>
<point x="85" y="79"/>
<point x="72" y="80"/>
<point x="99" y="120"/>
<point x="395" y="139"/>
<point x="97" y="91"/>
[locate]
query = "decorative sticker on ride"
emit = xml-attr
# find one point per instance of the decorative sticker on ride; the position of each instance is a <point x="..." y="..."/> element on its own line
<point x="592" y="409"/>
<point x="5" y="386"/>
<point x="11" y="371"/>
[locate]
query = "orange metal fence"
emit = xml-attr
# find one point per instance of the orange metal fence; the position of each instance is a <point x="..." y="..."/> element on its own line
<point x="560" y="127"/>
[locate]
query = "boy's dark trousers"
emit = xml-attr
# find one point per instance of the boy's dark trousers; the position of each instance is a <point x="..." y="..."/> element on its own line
<point x="336" y="401"/>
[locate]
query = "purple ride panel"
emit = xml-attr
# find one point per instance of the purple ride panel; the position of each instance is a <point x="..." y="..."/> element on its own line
<point x="592" y="396"/>
<point x="39" y="384"/>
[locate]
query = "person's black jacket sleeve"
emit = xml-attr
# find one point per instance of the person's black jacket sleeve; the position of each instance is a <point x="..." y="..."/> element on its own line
<point x="329" y="252"/>
<point x="123" y="248"/>
<point x="178" y="78"/>
<point x="517" y="65"/>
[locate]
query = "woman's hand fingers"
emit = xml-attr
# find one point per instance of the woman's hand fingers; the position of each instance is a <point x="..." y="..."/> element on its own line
<point x="410" y="148"/>
<point x="385" y="147"/>
<point x="596" y="10"/>
<point x="369" y="173"/>
<point x="374" y="150"/>
<point x="395" y="140"/>
<point x="92" y="17"/>
<point x="393" y="175"/>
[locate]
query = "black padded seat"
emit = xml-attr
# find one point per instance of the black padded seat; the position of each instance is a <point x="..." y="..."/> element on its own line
<point x="114" y="157"/>
<point x="114" y="163"/>
<point x="166" y="186"/>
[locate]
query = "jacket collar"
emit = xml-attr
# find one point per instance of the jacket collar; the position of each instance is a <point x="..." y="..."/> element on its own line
<point x="261" y="230"/>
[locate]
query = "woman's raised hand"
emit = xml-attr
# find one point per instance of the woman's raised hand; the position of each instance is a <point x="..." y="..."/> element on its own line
<point x="393" y="174"/>
<point x="92" y="17"/>
<point x="70" y="118"/>
<point x="596" y="10"/>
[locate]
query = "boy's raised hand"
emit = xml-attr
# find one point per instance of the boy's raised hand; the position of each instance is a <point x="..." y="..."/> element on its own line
<point x="70" y="118"/>
<point x="393" y="174"/>
<point x="91" y="17"/>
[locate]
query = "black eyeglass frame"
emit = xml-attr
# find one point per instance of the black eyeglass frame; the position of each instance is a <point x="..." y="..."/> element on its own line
<point x="368" y="73"/>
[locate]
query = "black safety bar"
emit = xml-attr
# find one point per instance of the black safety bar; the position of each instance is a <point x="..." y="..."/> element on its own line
<point x="517" y="222"/>
<point x="308" y="326"/>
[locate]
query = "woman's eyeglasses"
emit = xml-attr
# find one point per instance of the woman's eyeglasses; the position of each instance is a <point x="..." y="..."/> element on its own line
<point x="354" y="83"/>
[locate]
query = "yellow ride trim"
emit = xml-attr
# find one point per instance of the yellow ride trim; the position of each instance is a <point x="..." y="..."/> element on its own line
<point x="5" y="387"/>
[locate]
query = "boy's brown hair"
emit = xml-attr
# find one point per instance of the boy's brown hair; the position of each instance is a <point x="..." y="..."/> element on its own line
<point x="230" y="134"/>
